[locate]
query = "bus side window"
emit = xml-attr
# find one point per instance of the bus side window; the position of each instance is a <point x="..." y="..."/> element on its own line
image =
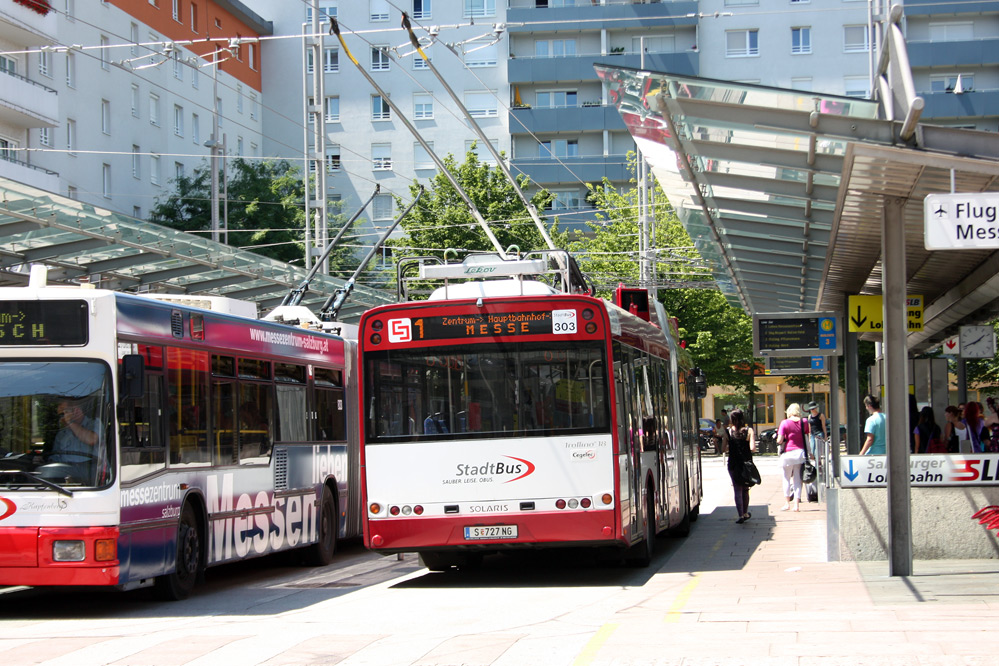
<point x="141" y="431"/>
<point x="255" y="416"/>
<point x="224" y="403"/>
<point x="188" y="407"/>
<point x="330" y="408"/>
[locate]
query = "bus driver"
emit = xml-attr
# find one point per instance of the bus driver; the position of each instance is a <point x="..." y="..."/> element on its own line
<point x="75" y="442"/>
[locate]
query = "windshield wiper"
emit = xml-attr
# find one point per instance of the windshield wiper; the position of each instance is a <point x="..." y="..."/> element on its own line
<point x="11" y="473"/>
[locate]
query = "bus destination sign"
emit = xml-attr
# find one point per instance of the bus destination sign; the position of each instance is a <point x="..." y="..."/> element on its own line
<point x="796" y="334"/>
<point x="471" y="326"/>
<point x="43" y="323"/>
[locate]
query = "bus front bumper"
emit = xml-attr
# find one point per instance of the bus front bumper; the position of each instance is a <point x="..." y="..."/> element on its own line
<point x="37" y="556"/>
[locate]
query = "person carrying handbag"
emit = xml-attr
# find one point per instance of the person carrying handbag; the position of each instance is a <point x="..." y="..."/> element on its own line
<point x="792" y="443"/>
<point x="739" y="445"/>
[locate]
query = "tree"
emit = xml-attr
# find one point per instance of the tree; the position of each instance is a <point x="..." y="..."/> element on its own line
<point x="718" y="335"/>
<point x="265" y="207"/>
<point x="442" y="219"/>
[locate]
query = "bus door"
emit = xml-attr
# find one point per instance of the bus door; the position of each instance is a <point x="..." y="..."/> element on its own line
<point x="626" y="439"/>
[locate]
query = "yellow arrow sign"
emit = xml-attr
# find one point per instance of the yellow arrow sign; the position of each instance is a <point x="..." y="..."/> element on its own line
<point x="865" y="314"/>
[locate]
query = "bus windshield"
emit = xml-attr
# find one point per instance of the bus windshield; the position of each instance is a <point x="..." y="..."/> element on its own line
<point x="494" y="390"/>
<point x="54" y="419"/>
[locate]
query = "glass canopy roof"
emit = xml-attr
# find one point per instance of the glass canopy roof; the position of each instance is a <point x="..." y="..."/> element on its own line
<point x="78" y="240"/>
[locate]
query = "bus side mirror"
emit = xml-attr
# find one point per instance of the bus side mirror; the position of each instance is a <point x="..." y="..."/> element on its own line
<point x="701" y="385"/>
<point x="132" y="376"/>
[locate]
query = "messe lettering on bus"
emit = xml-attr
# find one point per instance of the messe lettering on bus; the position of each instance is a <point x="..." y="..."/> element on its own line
<point x="507" y="413"/>
<point x="142" y="440"/>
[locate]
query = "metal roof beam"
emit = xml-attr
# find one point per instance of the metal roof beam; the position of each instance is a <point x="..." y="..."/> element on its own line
<point x="170" y="274"/>
<point x="777" y="247"/>
<point x="61" y="249"/>
<point x="773" y="187"/>
<point x="207" y="285"/>
<point x="770" y="210"/>
<point x="254" y="292"/>
<point x="738" y="226"/>
<point x="118" y="263"/>
<point x="779" y="158"/>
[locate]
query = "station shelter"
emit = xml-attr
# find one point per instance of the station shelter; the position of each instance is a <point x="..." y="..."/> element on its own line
<point x="798" y="200"/>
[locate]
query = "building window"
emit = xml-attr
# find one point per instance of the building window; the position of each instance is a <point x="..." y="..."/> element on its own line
<point x="802" y="83"/>
<point x="554" y="48"/>
<point x="251" y="55"/>
<point x="381" y="207"/>
<point x="331" y="60"/>
<point x="381" y="156"/>
<point x="104" y="52"/>
<point x="133" y="36"/>
<point x="106" y="181"/>
<point x="178" y="120"/>
<point x="379" y="59"/>
<point x="105" y="116"/>
<point x="857" y="86"/>
<point x="218" y="108"/>
<point x="855" y="39"/>
<point x="254" y="151"/>
<point x="71" y="70"/>
<point x="239" y="98"/>
<point x="332" y="158"/>
<point x="44" y="60"/>
<point x="45" y="136"/>
<point x="154" y="169"/>
<point x="326" y="9"/>
<point x="135" y="100"/>
<point x="194" y="17"/>
<point x="195" y="128"/>
<point x="423" y="106"/>
<point x="558" y="148"/>
<point x="332" y="109"/>
<point x="654" y="44"/>
<point x="742" y="43"/>
<point x="137" y="212"/>
<point x="801" y="40"/>
<point x="136" y="163"/>
<point x="70" y="136"/>
<point x="480" y="54"/>
<point x="379" y="10"/>
<point x="740" y="3"/>
<point x="421" y="157"/>
<point x="380" y="109"/>
<point x="253" y="106"/>
<point x="154" y="109"/>
<point x="952" y="83"/>
<point x="963" y="31"/>
<point x="8" y="65"/>
<point x="72" y="192"/>
<point x="176" y="11"/>
<point x="565" y="200"/>
<point x="556" y="99"/>
<point x="70" y="9"/>
<point x="479" y="8"/>
<point x="239" y="147"/>
<point x="178" y="170"/>
<point x="481" y="104"/>
<point x="483" y="154"/>
<point x="194" y="76"/>
<point x="421" y="9"/>
<point x="8" y="149"/>
<point x="310" y="65"/>
<point x="178" y="67"/>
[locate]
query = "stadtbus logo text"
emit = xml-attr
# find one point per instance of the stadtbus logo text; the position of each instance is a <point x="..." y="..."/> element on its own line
<point x="520" y="468"/>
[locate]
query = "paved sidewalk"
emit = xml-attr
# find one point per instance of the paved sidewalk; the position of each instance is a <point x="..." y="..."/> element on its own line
<point x="763" y="593"/>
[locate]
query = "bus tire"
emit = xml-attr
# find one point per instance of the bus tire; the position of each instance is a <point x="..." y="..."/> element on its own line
<point x="320" y="554"/>
<point x="695" y="513"/>
<point x="189" y="566"/>
<point x="642" y="552"/>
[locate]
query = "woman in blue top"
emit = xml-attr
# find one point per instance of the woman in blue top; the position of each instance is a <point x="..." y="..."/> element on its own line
<point x="874" y="428"/>
<point x="792" y="433"/>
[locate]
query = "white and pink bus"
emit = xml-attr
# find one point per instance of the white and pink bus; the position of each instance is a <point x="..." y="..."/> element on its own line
<point x="514" y="414"/>
<point x="143" y="440"/>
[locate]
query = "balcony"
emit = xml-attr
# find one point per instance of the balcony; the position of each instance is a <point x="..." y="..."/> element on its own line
<point x="952" y="7"/>
<point x="22" y="172"/>
<point x="642" y="14"/>
<point x="575" y="119"/>
<point x="25" y="27"/>
<point x="976" y="103"/>
<point x="25" y="103"/>
<point x="970" y="53"/>
<point x="580" y="67"/>
<point x="588" y="168"/>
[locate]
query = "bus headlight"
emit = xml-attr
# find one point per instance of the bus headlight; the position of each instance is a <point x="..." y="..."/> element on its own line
<point x="68" y="551"/>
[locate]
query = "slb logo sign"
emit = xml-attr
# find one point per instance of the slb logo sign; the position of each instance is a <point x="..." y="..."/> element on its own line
<point x="400" y="330"/>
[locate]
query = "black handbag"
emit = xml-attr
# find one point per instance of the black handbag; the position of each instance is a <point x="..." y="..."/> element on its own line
<point x="750" y="475"/>
<point x="808" y="471"/>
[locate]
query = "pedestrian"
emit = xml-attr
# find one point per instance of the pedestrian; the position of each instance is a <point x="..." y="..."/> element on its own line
<point x="818" y="433"/>
<point x="976" y="427"/>
<point x="874" y="429"/>
<point x="741" y="445"/>
<point x="721" y="436"/>
<point x="956" y="432"/>
<point x="927" y="433"/>
<point x="725" y="417"/>
<point x="792" y="442"/>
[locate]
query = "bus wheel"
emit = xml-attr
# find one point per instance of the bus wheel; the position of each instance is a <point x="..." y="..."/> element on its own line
<point x="178" y="585"/>
<point x="320" y="554"/>
<point x="641" y="555"/>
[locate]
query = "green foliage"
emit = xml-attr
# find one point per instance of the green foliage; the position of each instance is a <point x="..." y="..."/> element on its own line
<point x="265" y="207"/>
<point x="442" y="220"/>
<point x="718" y="335"/>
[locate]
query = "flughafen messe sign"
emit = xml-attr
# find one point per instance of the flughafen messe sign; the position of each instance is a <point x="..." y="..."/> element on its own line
<point x="961" y="221"/>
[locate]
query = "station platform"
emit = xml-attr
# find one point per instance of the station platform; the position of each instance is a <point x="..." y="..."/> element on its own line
<point x="764" y="593"/>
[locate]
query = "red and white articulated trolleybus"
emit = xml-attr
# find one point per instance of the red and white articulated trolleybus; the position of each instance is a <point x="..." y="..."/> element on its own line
<point x="512" y="413"/>
<point x="142" y="441"/>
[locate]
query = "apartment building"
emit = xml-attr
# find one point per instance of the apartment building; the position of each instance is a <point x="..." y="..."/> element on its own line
<point x="28" y="107"/>
<point x="134" y="109"/>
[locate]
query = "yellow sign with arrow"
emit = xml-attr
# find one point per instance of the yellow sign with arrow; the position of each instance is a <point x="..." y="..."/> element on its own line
<point x="865" y="314"/>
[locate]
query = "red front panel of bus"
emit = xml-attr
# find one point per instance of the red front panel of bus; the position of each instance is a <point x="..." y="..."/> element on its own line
<point x="26" y="556"/>
<point x="586" y="528"/>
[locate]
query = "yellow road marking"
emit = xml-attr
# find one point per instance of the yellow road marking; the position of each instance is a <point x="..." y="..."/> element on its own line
<point x="593" y="646"/>
<point x="673" y="614"/>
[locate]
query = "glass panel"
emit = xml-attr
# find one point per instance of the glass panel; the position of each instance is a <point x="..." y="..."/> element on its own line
<point x="255" y="422"/>
<point x="328" y="377"/>
<point x="292" y="425"/>
<point x="223" y="399"/>
<point x="140" y="430"/>
<point x="330" y="412"/>
<point x="251" y="368"/>
<point x="55" y="419"/>
<point x="187" y="407"/>
<point x="509" y="391"/>
<point x="224" y="366"/>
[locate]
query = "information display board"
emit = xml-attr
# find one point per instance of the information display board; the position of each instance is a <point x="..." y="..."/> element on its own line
<point x="796" y="334"/>
<point x="796" y="365"/>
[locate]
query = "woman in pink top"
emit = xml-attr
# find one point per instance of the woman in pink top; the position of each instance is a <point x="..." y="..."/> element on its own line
<point x="793" y="434"/>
